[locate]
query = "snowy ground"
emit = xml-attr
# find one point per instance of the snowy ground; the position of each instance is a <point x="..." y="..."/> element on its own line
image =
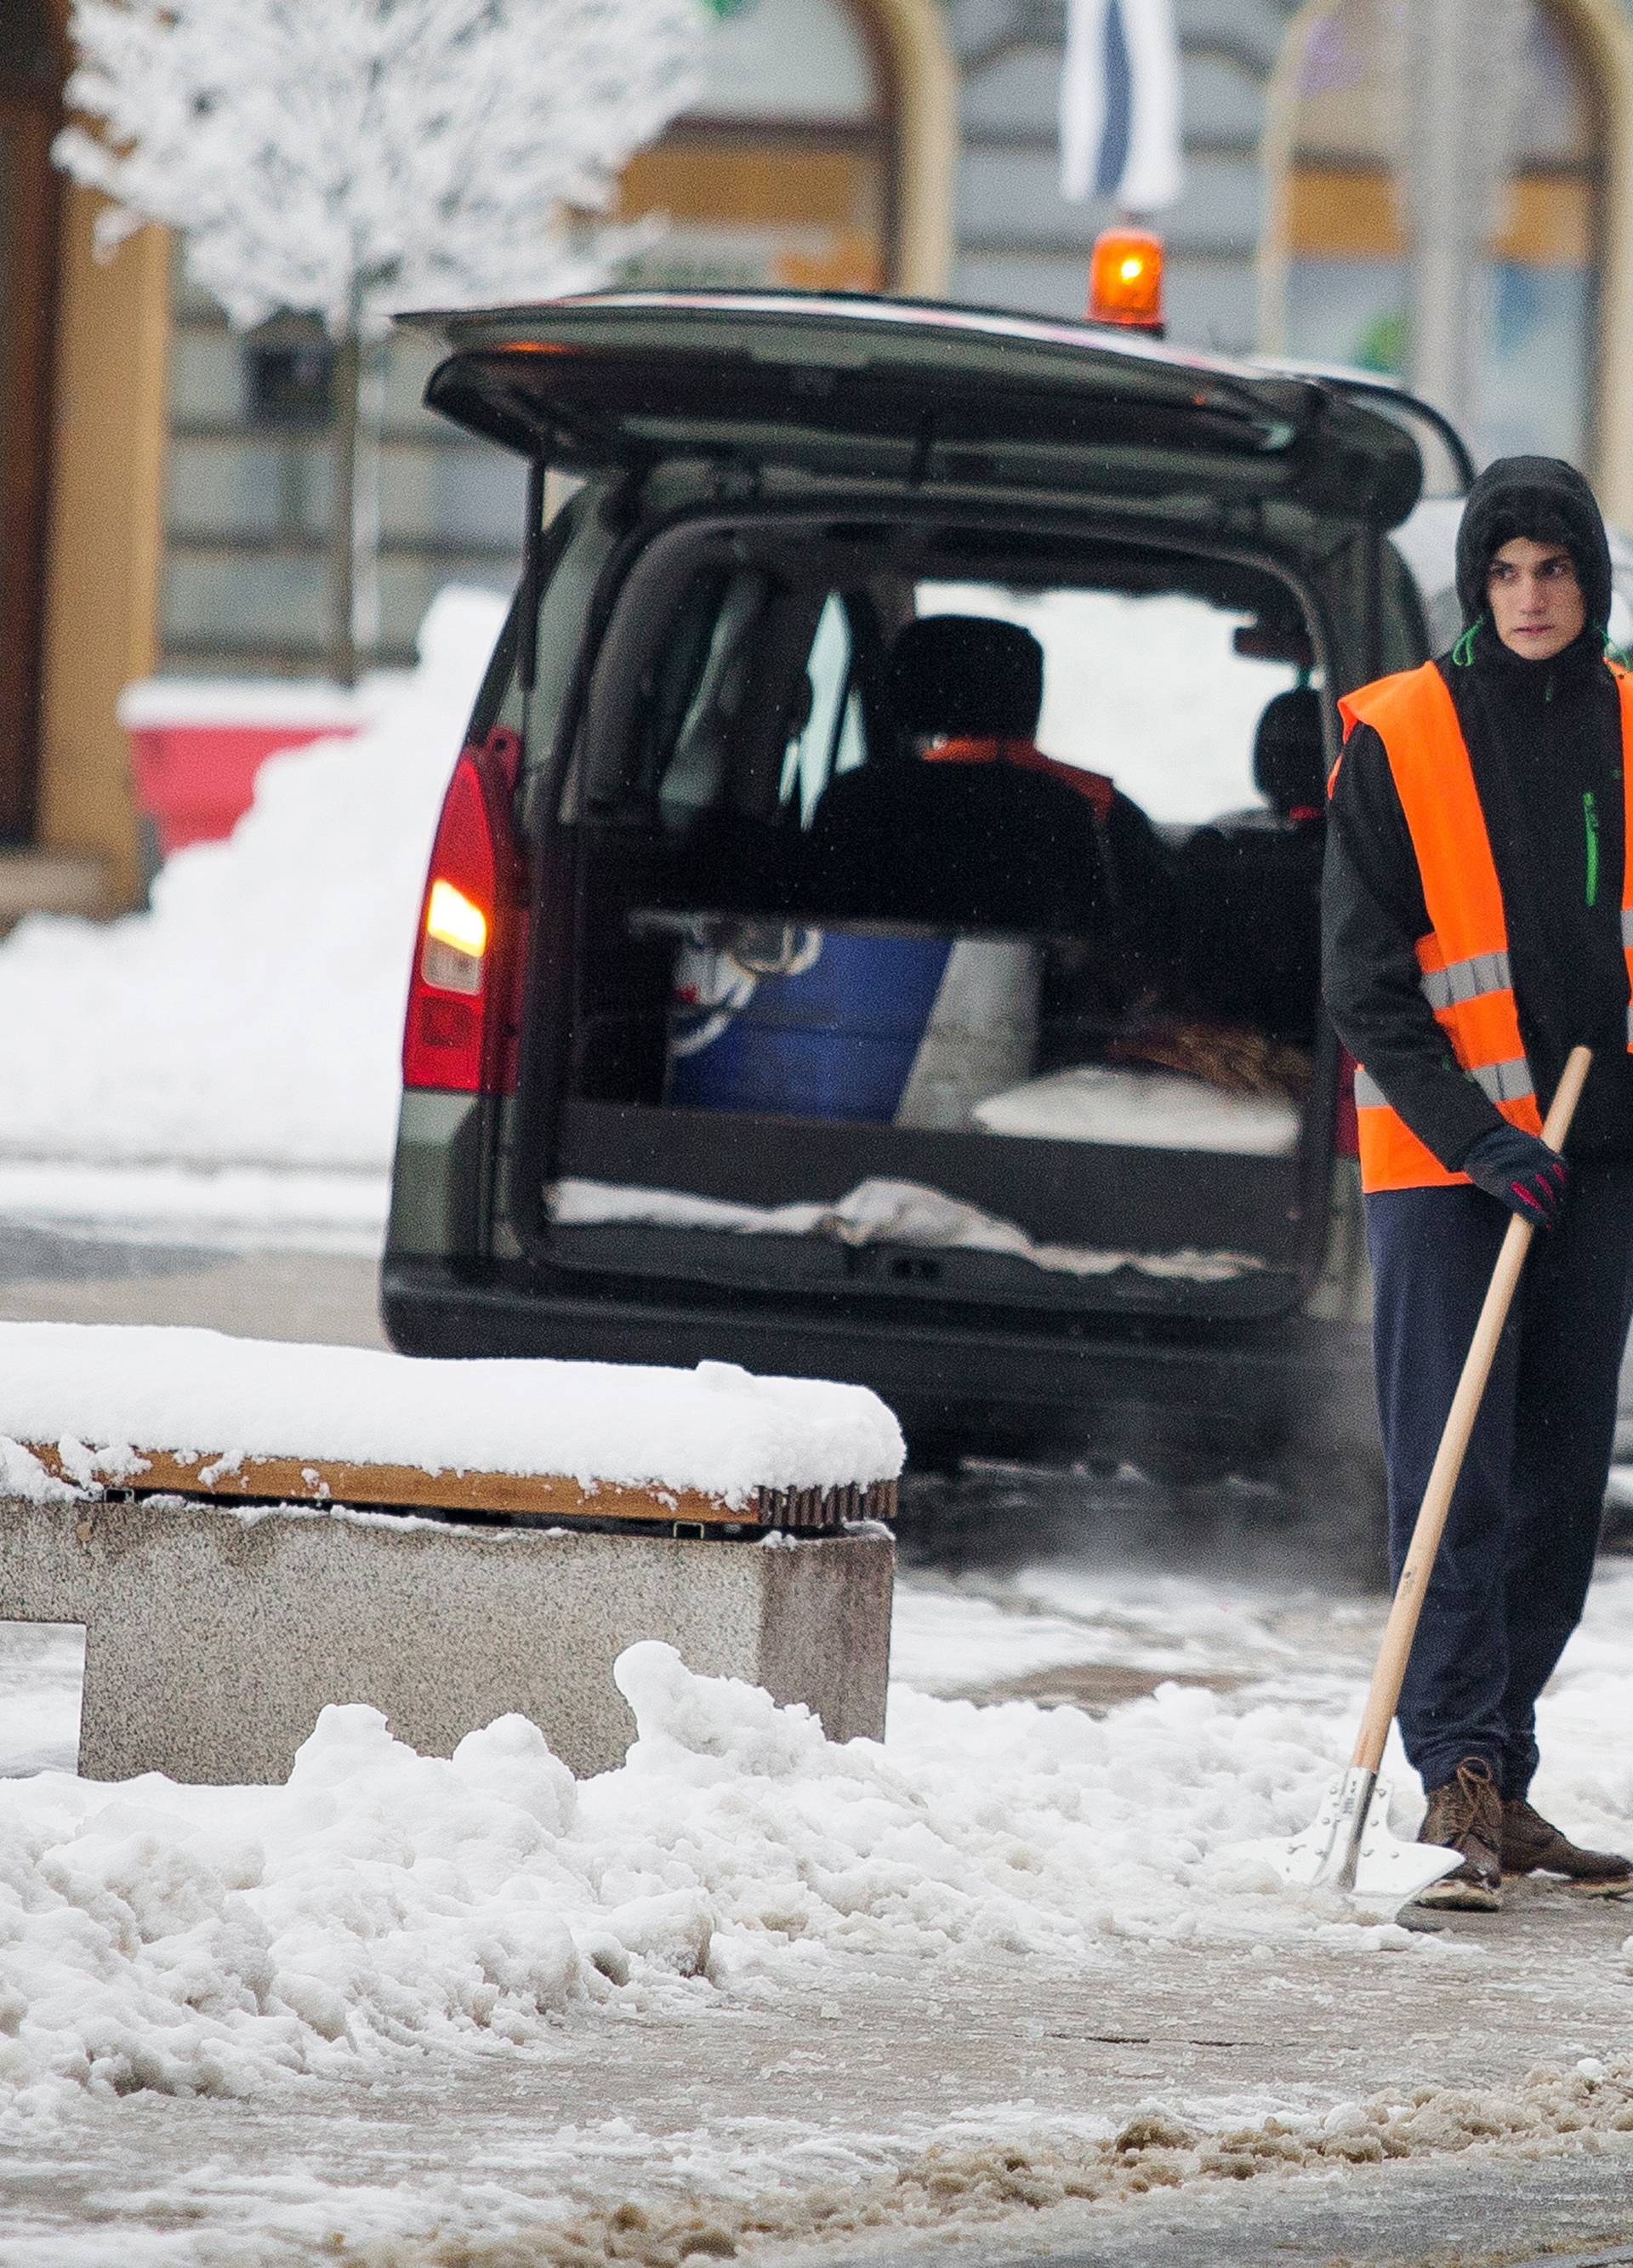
<point x="939" y="1981"/>
<point x="201" y="1208"/>
<point x="749" y="1991"/>
<point x="754" y="1992"/>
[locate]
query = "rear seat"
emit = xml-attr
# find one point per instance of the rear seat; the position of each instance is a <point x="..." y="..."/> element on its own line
<point x="1251" y="884"/>
<point x="977" y="842"/>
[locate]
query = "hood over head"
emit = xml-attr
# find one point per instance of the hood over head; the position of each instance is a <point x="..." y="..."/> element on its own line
<point x="1547" y="500"/>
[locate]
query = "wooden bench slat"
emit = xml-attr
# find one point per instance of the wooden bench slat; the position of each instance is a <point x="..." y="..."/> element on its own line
<point x="297" y="1480"/>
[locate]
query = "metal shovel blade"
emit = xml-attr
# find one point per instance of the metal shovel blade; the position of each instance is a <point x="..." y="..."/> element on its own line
<point x="1349" y="1848"/>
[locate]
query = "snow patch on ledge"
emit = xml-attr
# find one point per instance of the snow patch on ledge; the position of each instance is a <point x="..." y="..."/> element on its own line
<point x="22" y="1475"/>
<point x="193" y="1393"/>
<point x="239" y="1209"/>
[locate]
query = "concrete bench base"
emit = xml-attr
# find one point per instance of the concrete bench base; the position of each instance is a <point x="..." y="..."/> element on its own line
<point x="214" y="1638"/>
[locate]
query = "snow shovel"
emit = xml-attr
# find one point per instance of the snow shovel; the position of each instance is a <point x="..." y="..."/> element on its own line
<point x="1349" y="1848"/>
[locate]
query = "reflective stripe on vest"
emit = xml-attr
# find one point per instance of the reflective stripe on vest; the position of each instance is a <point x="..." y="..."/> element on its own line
<point x="1504" y="1082"/>
<point x="1467" y="978"/>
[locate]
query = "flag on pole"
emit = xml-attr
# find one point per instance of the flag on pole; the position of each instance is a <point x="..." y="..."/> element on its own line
<point x="1120" y="104"/>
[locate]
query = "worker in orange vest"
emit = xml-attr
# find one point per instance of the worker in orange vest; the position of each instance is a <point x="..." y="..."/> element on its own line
<point x="1477" y="909"/>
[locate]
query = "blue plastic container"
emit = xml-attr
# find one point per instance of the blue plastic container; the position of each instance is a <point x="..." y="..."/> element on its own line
<point x="827" y="1027"/>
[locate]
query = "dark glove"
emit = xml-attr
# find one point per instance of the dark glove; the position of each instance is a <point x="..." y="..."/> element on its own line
<point x="1521" y="1172"/>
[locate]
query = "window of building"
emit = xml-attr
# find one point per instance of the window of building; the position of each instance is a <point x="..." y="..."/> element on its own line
<point x="781" y="173"/>
<point x="1346" y="285"/>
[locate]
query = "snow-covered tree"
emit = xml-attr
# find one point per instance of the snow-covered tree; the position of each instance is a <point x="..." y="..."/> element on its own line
<point x="346" y="158"/>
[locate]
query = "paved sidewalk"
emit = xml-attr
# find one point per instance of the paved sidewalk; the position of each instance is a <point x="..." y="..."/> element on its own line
<point x="835" y="2083"/>
<point x="47" y="1275"/>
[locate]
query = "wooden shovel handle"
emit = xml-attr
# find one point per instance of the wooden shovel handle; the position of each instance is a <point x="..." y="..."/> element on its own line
<point x="1401" y="1626"/>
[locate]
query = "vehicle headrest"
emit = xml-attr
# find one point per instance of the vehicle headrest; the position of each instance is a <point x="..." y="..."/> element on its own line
<point x="1289" y="754"/>
<point x="966" y="676"/>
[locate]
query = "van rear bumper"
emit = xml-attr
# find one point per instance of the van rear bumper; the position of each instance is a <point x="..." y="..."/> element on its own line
<point x="1121" y="1389"/>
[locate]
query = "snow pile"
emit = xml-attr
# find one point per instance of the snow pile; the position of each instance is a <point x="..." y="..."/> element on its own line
<point x="23" y="1474"/>
<point x="217" y="1940"/>
<point x="902" y="1212"/>
<point x="716" y="1428"/>
<point x="206" y="1939"/>
<point x="255" y="1015"/>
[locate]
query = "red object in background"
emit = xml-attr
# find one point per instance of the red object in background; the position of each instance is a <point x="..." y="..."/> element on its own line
<point x="195" y="780"/>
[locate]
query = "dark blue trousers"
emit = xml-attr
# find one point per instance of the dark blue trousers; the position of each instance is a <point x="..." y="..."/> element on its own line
<point x="1514" y="1564"/>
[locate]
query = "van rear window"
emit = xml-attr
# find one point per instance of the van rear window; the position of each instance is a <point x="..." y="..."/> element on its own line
<point x="1150" y="690"/>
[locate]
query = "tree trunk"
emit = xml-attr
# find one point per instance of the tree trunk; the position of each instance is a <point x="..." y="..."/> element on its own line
<point x="355" y="502"/>
<point x="366" y="502"/>
<point x="342" y="644"/>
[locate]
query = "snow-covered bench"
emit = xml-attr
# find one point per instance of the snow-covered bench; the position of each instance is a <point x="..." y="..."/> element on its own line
<point x="568" y="1495"/>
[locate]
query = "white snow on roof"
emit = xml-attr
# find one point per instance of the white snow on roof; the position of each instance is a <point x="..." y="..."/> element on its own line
<point x="714" y="1428"/>
<point x="159" y="701"/>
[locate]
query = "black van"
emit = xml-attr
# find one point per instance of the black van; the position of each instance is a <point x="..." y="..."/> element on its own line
<point x="786" y="992"/>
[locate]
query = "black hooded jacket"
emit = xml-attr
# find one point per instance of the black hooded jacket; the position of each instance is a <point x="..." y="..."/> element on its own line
<point x="1545" y="744"/>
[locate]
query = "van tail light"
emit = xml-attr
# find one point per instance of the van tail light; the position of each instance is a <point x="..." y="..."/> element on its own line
<point x="1125" y="280"/>
<point x="1346" y="1130"/>
<point x="464" y="992"/>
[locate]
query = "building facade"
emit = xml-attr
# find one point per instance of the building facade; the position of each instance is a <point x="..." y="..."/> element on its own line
<point x="165" y="480"/>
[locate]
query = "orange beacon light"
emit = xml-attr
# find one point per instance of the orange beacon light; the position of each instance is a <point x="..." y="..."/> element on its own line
<point x="1125" y="280"/>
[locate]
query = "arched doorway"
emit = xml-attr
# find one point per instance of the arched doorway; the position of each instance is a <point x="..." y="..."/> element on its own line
<point x="819" y="155"/>
<point x="30" y="84"/>
<point x="1335" y="278"/>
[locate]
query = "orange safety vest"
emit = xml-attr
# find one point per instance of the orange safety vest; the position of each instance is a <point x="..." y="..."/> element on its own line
<point x="1094" y="787"/>
<point x="1464" y="957"/>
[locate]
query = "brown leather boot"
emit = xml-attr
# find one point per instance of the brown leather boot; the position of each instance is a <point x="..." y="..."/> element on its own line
<point x="1531" y="1846"/>
<point x="1467" y="1815"/>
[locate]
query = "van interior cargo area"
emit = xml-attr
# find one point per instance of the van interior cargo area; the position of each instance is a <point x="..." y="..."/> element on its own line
<point x="946" y="924"/>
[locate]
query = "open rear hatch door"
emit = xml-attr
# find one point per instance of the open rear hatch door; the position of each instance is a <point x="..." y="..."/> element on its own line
<point x="920" y="396"/>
